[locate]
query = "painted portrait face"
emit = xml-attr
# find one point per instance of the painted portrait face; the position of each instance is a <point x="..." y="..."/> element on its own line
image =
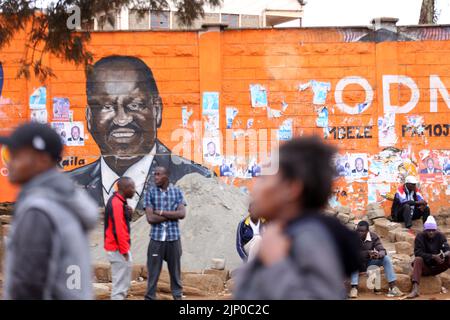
<point x="124" y="109"/>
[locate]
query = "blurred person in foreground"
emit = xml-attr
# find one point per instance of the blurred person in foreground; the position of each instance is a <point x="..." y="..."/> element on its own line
<point x="248" y="236"/>
<point x="117" y="237"/>
<point x="47" y="251"/>
<point x="303" y="254"/>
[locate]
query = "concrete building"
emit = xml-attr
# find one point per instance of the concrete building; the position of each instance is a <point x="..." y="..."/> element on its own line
<point x="235" y="13"/>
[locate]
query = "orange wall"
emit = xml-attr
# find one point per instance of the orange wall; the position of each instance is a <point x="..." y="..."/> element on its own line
<point x="186" y="64"/>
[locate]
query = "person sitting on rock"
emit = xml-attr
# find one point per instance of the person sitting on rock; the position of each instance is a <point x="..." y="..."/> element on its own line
<point x="431" y="251"/>
<point x="248" y="236"/>
<point x="409" y="204"/>
<point x="373" y="254"/>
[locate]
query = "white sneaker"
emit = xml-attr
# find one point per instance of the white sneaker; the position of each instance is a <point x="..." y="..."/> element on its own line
<point x="394" y="292"/>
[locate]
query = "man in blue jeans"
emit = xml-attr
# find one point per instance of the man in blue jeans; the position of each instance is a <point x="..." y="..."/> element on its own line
<point x="373" y="254"/>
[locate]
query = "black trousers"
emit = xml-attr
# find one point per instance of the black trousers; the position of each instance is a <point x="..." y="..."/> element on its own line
<point x="159" y="251"/>
<point x="404" y="214"/>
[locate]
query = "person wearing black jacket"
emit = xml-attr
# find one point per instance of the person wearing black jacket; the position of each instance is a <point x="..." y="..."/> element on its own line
<point x="373" y="254"/>
<point x="432" y="254"/>
<point x="304" y="254"/>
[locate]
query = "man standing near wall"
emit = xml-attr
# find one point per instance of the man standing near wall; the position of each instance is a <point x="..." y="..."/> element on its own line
<point x="117" y="237"/>
<point x="164" y="206"/>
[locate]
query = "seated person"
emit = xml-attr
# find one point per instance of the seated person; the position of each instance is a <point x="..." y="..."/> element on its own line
<point x="373" y="254"/>
<point x="409" y="204"/>
<point x="431" y="252"/>
<point x="248" y="236"/>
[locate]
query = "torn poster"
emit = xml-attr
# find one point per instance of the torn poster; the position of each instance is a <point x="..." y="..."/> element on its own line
<point x="386" y="130"/>
<point x="362" y="107"/>
<point x="39" y="116"/>
<point x="38" y="99"/>
<point x="212" y="124"/>
<point x="320" y="90"/>
<point x="416" y="125"/>
<point x="285" y="130"/>
<point x="61" y="109"/>
<point x="304" y="86"/>
<point x="284" y="106"/>
<point x="231" y="113"/>
<point x="61" y="130"/>
<point x="322" y="118"/>
<point x="258" y="95"/>
<point x="430" y="164"/>
<point x="377" y="192"/>
<point x="185" y="115"/>
<point x="342" y="165"/>
<point x="272" y="113"/>
<point x="210" y="103"/>
<point x="249" y="123"/>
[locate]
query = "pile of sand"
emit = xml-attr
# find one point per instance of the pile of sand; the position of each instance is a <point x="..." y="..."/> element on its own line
<point x="214" y="210"/>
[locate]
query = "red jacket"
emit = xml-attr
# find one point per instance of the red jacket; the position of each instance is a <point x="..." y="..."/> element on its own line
<point x="117" y="225"/>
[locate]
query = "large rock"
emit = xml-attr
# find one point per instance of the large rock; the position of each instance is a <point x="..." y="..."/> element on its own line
<point x="445" y="278"/>
<point x="6" y="208"/>
<point x="430" y="285"/>
<point x="344" y="210"/>
<point x="375" y="211"/>
<point x="403" y="235"/>
<point x="383" y="226"/>
<point x="222" y="274"/>
<point x="5" y="219"/>
<point x="402" y="263"/>
<point x="101" y="291"/>
<point x="403" y="282"/>
<point x="137" y="271"/>
<point x="218" y="264"/>
<point x="344" y="218"/>
<point x="102" y="272"/>
<point x="230" y="285"/>
<point x="404" y="247"/>
<point x="208" y="283"/>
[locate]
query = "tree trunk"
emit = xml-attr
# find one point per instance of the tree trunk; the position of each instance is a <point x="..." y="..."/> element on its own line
<point x="427" y="12"/>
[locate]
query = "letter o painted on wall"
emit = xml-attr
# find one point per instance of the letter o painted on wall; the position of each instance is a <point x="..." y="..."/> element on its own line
<point x="340" y="89"/>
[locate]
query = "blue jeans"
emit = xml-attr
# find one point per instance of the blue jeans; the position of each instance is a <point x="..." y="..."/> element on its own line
<point x="388" y="270"/>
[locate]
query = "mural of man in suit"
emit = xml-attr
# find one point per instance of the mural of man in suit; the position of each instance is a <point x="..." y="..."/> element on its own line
<point x="123" y="114"/>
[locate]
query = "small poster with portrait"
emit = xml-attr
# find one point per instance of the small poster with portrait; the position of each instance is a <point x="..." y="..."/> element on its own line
<point x="75" y="134"/>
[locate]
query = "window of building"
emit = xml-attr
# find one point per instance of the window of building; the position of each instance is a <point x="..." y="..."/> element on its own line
<point x="138" y="20"/>
<point x="160" y="20"/>
<point x="231" y="19"/>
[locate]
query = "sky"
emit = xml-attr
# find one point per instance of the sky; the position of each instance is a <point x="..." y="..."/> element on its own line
<point x="361" y="12"/>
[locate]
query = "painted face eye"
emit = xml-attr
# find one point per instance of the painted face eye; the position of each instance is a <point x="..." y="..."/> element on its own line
<point x="107" y="107"/>
<point x="135" y="106"/>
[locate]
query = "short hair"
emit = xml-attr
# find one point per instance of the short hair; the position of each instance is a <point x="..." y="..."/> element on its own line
<point x="123" y="181"/>
<point x="75" y="127"/>
<point x="166" y="170"/>
<point x="132" y="62"/>
<point x="359" y="159"/>
<point x="310" y="161"/>
<point x="211" y="142"/>
<point x="363" y="223"/>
